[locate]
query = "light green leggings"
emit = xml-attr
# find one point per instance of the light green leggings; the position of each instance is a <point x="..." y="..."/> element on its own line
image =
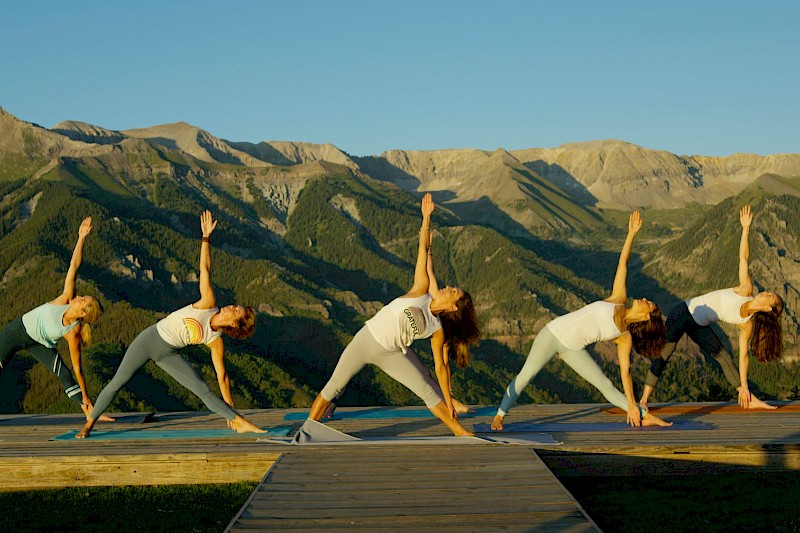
<point x="545" y="347"/>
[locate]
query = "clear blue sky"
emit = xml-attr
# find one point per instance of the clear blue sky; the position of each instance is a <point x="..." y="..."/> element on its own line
<point x="691" y="77"/>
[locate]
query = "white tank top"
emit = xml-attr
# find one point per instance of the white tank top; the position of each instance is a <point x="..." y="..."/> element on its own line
<point x="722" y="305"/>
<point x="402" y="321"/>
<point x="188" y="326"/>
<point x="587" y="325"/>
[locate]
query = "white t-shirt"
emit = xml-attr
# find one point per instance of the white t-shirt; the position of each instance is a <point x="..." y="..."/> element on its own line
<point x="722" y="305"/>
<point x="402" y="321"/>
<point x="587" y="325"/>
<point x="188" y="326"/>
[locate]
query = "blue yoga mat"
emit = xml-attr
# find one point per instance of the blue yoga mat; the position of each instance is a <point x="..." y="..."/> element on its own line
<point x="574" y="427"/>
<point x="384" y="412"/>
<point x="159" y="434"/>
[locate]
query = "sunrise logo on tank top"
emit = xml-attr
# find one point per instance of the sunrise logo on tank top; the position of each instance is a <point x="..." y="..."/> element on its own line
<point x="193" y="331"/>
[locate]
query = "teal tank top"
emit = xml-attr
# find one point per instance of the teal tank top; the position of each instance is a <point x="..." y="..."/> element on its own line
<point x="43" y="324"/>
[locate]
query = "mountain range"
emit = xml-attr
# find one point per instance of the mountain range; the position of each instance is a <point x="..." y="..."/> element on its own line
<point x="317" y="240"/>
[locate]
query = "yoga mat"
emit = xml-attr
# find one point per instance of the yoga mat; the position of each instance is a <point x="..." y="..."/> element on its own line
<point x="384" y="412"/>
<point x="163" y="434"/>
<point x="708" y="409"/>
<point x="313" y="433"/>
<point x="575" y="427"/>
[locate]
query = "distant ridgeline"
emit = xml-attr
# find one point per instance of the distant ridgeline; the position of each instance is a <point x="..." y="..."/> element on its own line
<point x="317" y="241"/>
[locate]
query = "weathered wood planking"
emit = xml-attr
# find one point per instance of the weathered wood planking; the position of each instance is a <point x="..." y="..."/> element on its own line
<point x="397" y="487"/>
<point x="764" y="441"/>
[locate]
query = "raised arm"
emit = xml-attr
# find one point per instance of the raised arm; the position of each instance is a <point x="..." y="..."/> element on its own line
<point x="421" y="281"/>
<point x="619" y="292"/>
<point x="433" y="285"/>
<point x="75" y="263"/>
<point x="207" y="299"/>
<point x="745" y="287"/>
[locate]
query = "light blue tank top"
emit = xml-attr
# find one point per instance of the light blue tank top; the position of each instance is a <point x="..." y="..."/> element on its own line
<point x="43" y="324"/>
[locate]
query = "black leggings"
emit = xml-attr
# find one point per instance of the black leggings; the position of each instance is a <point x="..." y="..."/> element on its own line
<point x="680" y="322"/>
<point x="14" y="338"/>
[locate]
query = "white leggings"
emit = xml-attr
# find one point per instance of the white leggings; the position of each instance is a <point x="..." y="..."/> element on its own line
<point x="545" y="347"/>
<point x="403" y="367"/>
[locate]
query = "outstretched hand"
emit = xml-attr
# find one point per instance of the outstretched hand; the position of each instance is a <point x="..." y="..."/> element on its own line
<point x="207" y="224"/>
<point x="86" y="227"/>
<point x="746" y="216"/>
<point x="634" y="222"/>
<point x="427" y="204"/>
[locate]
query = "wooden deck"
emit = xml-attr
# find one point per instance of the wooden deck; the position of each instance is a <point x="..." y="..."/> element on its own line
<point x="413" y="488"/>
<point x="397" y="486"/>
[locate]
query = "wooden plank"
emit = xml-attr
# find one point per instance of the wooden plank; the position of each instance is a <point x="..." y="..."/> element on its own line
<point x="149" y="469"/>
<point x="372" y="489"/>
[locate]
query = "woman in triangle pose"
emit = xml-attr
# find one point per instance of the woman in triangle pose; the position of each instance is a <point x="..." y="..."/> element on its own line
<point x="69" y="316"/>
<point x="199" y="323"/>
<point x="639" y="326"/>
<point x="757" y="318"/>
<point x="446" y="316"/>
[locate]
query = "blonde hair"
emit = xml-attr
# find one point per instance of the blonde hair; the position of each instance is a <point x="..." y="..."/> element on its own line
<point x="93" y="310"/>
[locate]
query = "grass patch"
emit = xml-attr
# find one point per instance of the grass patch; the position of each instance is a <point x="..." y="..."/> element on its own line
<point x="710" y="503"/>
<point x="195" y="508"/>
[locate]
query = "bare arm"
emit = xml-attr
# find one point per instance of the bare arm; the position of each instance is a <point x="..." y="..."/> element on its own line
<point x="619" y="291"/>
<point x="433" y="285"/>
<point x="624" y="346"/>
<point x="745" y="332"/>
<point x="73" y="338"/>
<point x="745" y="287"/>
<point x="218" y="359"/>
<point x="75" y="263"/>
<point x="442" y="368"/>
<point x="207" y="299"/>
<point x="421" y="281"/>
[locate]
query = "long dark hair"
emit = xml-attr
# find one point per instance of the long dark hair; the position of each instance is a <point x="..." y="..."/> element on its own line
<point x="461" y="329"/>
<point x="767" y="340"/>
<point x="649" y="336"/>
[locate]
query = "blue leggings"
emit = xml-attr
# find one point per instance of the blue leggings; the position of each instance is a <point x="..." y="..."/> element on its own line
<point x="14" y="338"/>
<point x="147" y="346"/>
<point x="545" y="347"/>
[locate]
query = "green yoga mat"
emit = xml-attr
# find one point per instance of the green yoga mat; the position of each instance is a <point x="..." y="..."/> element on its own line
<point x="164" y="434"/>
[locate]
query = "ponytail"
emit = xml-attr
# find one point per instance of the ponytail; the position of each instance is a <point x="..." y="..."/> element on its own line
<point x="93" y="310"/>
<point x="767" y="340"/>
<point x="461" y="329"/>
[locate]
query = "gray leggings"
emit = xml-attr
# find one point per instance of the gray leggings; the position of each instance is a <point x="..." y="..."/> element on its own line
<point x="149" y="345"/>
<point x="404" y="367"/>
<point x="545" y="347"/>
<point x="14" y="338"/>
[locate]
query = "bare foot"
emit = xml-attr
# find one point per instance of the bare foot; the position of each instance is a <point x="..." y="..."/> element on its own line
<point x="240" y="425"/>
<point x="755" y="403"/>
<point x="462" y="408"/>
<point x="463" y="433"/>
<point x="650" y="419"/>
<point x="87" y="429"/>
<point x="497" y="423"/>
